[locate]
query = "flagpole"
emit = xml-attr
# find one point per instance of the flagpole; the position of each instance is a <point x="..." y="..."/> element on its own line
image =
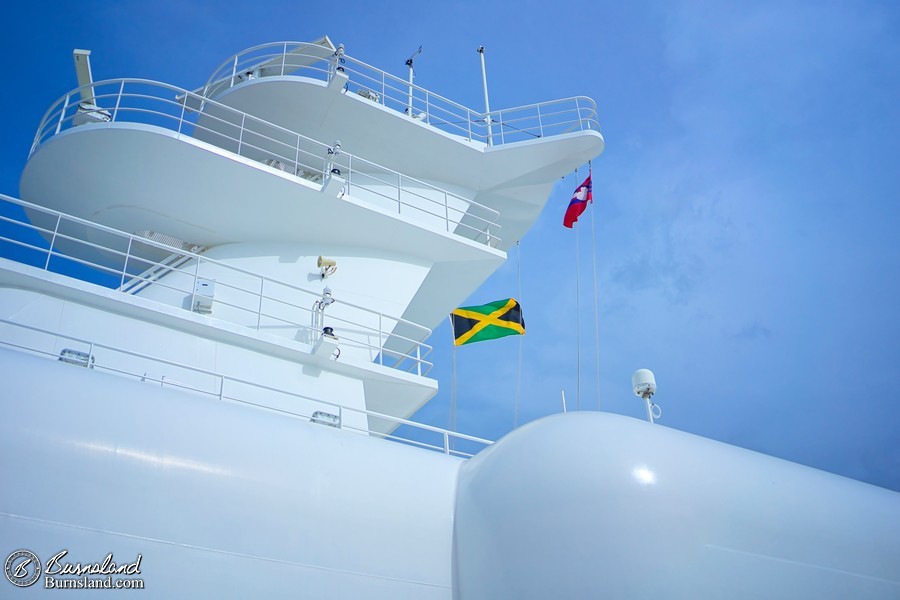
<point x="577" y="317"/>
<point x="596" y="310"/>
<point x="452" y="378"/>
<point x="521" y="302"/>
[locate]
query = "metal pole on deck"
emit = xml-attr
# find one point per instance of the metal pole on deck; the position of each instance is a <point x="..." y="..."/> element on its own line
<point x="452" y="379"/>
<point x="409" y="63"/>
<point x="487" y="104"/>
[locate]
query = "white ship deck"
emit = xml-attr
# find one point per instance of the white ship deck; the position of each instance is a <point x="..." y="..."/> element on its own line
<point x="148" y="171"/>
<point x="505" y="158"/>
<point x="392" y="395"/>
<point x="386" y="352"/>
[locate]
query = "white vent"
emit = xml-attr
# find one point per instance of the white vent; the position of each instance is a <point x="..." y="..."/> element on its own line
<point x="271" y="162"/>
<point x="324" y="418"/>
<point x="368" y="94"/>
<point x="76" y="357"/>
<point x="168" y="240"/>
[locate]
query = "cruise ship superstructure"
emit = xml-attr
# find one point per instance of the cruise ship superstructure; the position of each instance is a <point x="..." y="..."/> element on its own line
<point x="218" y="316"/>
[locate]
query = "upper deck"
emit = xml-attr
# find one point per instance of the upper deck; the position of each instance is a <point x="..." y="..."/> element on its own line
<point x="127" y="119"/>
<point x="505" y="160"/>
<point x="321" y="60"/>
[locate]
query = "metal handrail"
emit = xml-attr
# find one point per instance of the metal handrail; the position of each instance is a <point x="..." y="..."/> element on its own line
<point x="219" y="391"/>
<point x="544" y="119"/>
<point x="135" y="264"/>
<point x="188" y="114"/>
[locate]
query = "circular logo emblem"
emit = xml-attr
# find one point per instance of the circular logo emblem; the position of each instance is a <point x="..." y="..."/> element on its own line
<point x="23" y="568"/>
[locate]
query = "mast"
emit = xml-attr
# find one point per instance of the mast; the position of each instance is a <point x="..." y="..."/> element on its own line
<point x="412" y="72"/>
<point x="487" y="105"/>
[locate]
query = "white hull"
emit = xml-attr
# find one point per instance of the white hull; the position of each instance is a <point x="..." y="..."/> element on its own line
<point x="226" y="500"/>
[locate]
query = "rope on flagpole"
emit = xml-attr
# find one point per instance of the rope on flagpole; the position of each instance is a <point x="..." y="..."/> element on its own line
<point x="521" y="303"/>
<point x="596" y="310"/>
<point x="577" y="318"/>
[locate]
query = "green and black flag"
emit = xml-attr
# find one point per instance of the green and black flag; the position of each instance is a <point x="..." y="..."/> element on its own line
<point x="487" y="322"/>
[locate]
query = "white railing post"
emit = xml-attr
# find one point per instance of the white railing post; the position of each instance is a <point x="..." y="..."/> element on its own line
<point x="262" y="281"/>
<point x="181" y="118"/>
<point x="349" y="175"/>
<point x="241" y="134"/>
<point x="380" y="339"/>
<point x="62" y="113"/>
<point x="221" y="386"/>
<point x="194" y="287"/>
<point x="447" y="211"/>
<point x="540" y="121"/>
<point x="578" y="114"/>
<point x="234" y="70"/>
<point x="469" y="122"/>
<point x="125" y="266"/>
<point x="283" y="58"/>
<point x="419" y="359"/>
<point x="399" y="191"/>
<point x="297" y="156"/>
<point x="118" y="101"/>
<point x="52" y="242"/>
<point x="446" y="442"/>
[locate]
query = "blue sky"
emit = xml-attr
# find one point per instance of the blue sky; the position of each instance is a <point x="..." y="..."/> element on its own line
<point x="746" y="207"/>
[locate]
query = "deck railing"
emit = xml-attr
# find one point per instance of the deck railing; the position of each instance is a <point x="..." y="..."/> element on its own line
<point x="97" y="356"/>
<point x="191" y="115"/>
<point x="578" y="113"/>
<point x="65" y="244"/>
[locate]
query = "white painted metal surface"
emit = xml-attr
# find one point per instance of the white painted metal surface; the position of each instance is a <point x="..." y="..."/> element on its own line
<point x="241" y="504"/>
<point x="593" y="505"/>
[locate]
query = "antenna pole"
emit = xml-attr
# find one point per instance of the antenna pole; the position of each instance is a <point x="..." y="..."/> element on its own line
<point x="409" y="63"/>
<point x="409" y="109"/>
<point x="487" y="104"/>
<point x="649" y="406"/>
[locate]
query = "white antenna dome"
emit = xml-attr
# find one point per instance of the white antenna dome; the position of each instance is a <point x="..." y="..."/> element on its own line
<point x="643" y="383"/>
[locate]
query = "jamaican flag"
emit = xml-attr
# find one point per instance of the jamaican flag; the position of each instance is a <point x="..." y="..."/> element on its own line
<point x="487" y="322"/>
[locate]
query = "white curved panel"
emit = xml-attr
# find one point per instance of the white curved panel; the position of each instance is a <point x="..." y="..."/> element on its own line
<point x="221" y="500"/>
<point x="590" y="505"/>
